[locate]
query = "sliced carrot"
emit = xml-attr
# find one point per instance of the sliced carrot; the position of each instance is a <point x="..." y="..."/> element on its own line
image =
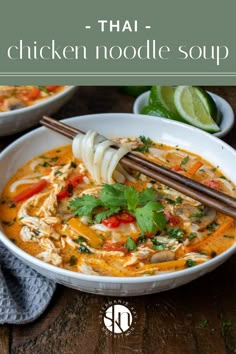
<point x="92" y="236"/>
<point x="106" y="268"/>
<point x="214" y="236"/>
<point x="171" y="265"/>
<point x="193" y="169"/>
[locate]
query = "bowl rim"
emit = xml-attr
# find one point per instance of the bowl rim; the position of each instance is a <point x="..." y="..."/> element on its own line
<point x="218" y="99"/>
<point x="110" y="279"/>
<point x="41" y="103"/>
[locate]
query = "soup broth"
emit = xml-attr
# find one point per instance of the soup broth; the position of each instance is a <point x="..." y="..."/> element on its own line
<point x="53" y="209"/>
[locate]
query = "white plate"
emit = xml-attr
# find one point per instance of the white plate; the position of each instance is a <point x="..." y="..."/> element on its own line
<point x="223" y="106"/>
<point x="111" y="125"/>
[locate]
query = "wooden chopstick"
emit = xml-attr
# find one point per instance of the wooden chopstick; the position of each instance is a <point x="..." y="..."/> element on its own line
<point x="208" y="196"/>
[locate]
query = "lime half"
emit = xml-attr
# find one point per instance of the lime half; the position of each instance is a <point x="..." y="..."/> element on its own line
<point x="195" y="108"/>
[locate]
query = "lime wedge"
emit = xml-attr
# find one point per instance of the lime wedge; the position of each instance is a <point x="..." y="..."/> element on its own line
<point x="160" y="111"/>
<point x="213" y="110"/>
<point x="194" y="106"/>
<point x="163" y="95"/>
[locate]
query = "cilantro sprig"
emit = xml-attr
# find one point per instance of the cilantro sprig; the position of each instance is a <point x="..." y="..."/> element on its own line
<point x="117" y="197"/>
<point x="147" y="143"/>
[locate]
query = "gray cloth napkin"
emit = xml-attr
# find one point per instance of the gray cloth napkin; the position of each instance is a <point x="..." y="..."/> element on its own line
<point x="24" y="293"/>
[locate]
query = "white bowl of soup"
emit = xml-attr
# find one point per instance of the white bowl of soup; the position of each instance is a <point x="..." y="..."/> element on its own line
<point x="21" y="107"/>
<point x="58" y="231"/>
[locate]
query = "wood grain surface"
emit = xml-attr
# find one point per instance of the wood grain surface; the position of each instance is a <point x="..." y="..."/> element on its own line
<point x="198" y="318"/>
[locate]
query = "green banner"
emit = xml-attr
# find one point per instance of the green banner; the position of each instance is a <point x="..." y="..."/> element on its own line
<point x="118" y="42"/>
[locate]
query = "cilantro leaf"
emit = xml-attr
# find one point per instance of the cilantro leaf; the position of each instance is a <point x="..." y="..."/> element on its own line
<point x="131" y="197"/>
<point x="130" y="244"/>
<point x="147" y="195"/>
<point x="190" y="263"/>
<point x="150" y="217"/>
<point x="83" y="249"/>
<point x="147" y="143"/>
<point x="184" y="161"/>
<point x="176" y="232"/>
<point x="105" y="214"/>
<point x="112" y="195"/>
<point x="84" y="205"/>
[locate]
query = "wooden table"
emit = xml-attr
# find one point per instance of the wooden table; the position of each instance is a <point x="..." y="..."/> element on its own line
<point x="198" y="318"/>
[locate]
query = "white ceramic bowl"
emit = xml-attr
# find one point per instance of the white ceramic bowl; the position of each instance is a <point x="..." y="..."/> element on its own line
<point x="21" y="119"/>
<point x="223" y="106"/>
<point x="162" y="130"/>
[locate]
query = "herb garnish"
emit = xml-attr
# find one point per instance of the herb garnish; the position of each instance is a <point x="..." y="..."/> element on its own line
<point x="176" y="232"/>
<point x="9" y="223"/>
<point x="130" y="244"/>
<point x="158" y="246"/>
<point x="192" y="235"/>
<point x="212" y="226"/>
<point x="142" y="239"/>
<point x="83" y="249"/>
<point x="184" y="161"/>
<point x="147" y="143"/>
<point x="116" y="197"/>
<point x="79" y="239"/>
<point x="73" y="260"/>
<point x="178" y="200"/>
<point x="190" y="263"/>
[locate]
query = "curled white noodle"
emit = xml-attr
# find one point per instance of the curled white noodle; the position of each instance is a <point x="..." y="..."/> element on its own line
<point x="100" y="158"/>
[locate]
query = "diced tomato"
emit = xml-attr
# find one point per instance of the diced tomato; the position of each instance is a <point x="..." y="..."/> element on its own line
<point x="212" y="183"/>
<point x="172" y="219"/>
<point x="177" y="168"/>
<point x="118" y="246"/>
<point x="64" y="193"/>
<point x="51" y="88"/>
<point x="29" y="192"/>
<point x="75" y="180"/>
<point x="72" y="183"/>
<point x="31" y="94"/>
<point x="125" y="217"/>
<point x="111" y="222"/>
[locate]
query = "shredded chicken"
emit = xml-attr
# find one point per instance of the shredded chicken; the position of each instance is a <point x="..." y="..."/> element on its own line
<point x="37" y="225"/>
<point x="50" y="256"/>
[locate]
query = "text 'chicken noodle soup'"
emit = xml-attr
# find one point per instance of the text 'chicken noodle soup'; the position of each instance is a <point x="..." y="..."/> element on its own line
<point x="79" y="209"/>
<point x="16" y="97"/>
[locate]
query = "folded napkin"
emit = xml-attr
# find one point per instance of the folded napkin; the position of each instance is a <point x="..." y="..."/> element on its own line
<point x="24" y="293"/>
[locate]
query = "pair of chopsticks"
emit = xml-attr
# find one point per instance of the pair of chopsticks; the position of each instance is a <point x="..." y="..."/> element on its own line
<point x="207" y="196"/>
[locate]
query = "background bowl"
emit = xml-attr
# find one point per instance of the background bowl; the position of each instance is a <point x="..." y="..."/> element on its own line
<point x="111" y="125"/>
<point x="223" y="106"/>
<point x="21" y="119"/>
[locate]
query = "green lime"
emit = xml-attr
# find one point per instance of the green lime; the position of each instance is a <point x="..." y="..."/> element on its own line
<point x="213" y="110"/>
<point x="194" y="106"/>
<point x="134" y="90"/>
<point x="163" y="95"/>
<point x="160" y="111"/>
